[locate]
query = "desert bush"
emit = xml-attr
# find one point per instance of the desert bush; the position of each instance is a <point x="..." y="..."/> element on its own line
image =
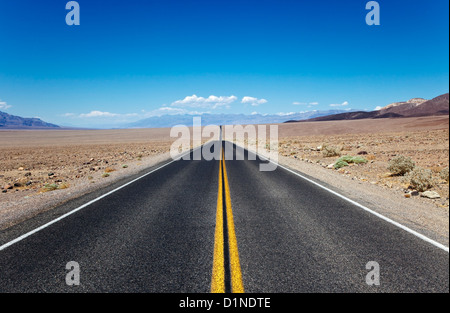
<point x="340" y="164"/>
<point x="401" y="165"/>
<point x="109" y="170"/>
<point x="352" y="159"/>
<point x="444" y="174"/>
<point x="124" y="166"/>
<point x="421" y="179"/>
<point x="330" y="151"/>
<point x="345" y="158"/>
<point x="359" y="160"/>
<point x="105" y="175"/>
<point x="51" y="187"/>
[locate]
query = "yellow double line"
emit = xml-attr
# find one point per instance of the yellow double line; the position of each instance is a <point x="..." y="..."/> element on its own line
<point x="219" y="262"/>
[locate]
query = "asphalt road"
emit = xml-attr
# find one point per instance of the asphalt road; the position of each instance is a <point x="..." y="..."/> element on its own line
<point x="173" y="231"/>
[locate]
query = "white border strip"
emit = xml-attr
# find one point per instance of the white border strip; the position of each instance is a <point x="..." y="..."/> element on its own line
<point x="413" y="232"/>
<point x="10" y="243"/>
<point x="409" y="230"/>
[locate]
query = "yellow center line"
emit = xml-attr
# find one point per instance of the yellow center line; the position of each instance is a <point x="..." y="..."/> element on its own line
<point x="218" y="275"/>
<point x="236" y="274"/>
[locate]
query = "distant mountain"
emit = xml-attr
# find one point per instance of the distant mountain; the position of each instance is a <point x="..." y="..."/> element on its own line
<point x="225" y="119"/>
<point x="411" y="103"/>
<point x="8" y="121"/>
<point x="415" y="107"/>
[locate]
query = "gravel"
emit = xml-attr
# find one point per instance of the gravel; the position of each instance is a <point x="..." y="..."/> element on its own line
<point x="416" y="213"/>
<point x="17" y="206"/>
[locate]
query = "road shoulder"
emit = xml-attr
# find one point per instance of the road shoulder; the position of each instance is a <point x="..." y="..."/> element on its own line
<point x="28" y="213"/>
<point x="420" y="216"/>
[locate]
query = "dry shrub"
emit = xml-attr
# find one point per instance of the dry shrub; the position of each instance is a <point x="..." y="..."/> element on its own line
<point x="109" y="170"/>
<point x="330" y="151"/>
<point x="63" y="186"/>
<point x="51" y="187"/>
<point x="444" y="174"/>
<point x="401" y="165"/>
<point x="421" y="179"/>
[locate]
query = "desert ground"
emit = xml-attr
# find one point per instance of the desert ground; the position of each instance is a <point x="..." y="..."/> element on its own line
<point x="42" y="169"/>
<point x="425" y="140"/>
<point x="31" y="159"/>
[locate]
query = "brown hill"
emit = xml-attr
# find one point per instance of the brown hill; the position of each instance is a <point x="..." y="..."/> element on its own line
<point x="415" y="107"/>
<point x="435" y="106"/>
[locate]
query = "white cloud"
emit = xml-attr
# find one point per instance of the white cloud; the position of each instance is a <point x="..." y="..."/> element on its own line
<point x="305" y="103"/>
<point x="253" y="101"/>
<point x="98" y="114"/>
<point x="170" y="111"/>
<point x="4" y="105"/>
<point x="165" y="111"/>
<point x="339" y="104"/>
<point x="285" y="114"/>
<point x="212" y="102"/>
<point x="127" y="117"/>
<point x="378" y="108"/>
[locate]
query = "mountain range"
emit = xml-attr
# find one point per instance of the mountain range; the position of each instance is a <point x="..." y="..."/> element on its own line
<point x="8" y="121"/>
<point x="226" y="119"/>
<point x="412" y="108"/>
<point x="415" y="107"/>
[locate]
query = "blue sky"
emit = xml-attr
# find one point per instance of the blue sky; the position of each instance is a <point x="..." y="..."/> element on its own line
<point x="133" y="59"/>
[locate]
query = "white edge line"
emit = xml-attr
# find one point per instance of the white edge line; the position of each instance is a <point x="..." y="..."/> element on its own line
<point x="409" y="230"/>
<point x="10" y="243"/>
<point x="413" y="232"/>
